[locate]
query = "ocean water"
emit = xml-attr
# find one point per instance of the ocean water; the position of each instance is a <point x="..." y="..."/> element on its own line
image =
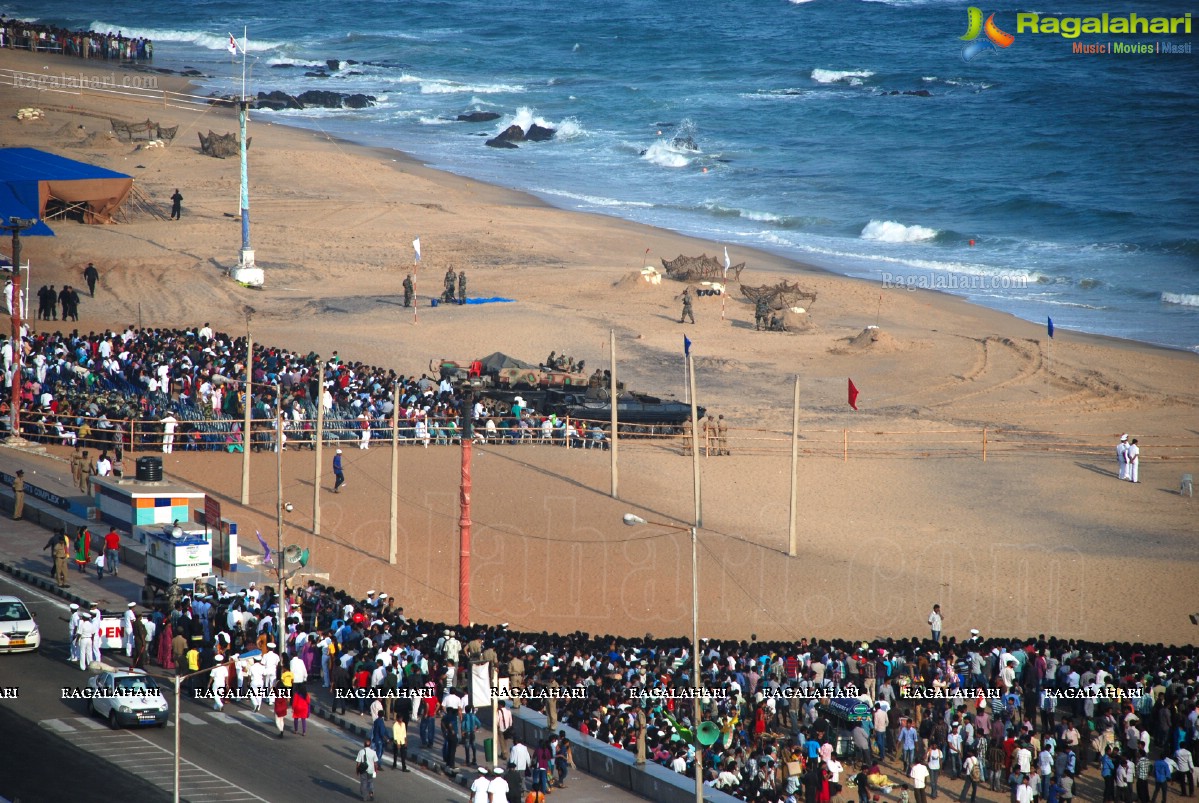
<point x="1031" y="179"/>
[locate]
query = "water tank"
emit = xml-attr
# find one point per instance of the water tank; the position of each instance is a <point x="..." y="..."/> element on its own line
<point x="149" y="469"/>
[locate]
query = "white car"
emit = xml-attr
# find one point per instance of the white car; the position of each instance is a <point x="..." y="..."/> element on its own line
<point x="18" y="629"/>
<point x="126" y="698"/>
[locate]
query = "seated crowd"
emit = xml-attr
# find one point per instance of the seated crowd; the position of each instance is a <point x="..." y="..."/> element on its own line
<point x="95" y="388"/>
<point x="777" y="740"/>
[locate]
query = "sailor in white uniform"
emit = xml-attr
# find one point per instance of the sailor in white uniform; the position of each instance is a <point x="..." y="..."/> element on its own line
<point x="85" y="635"/>
<point x="219" y="679"/>
<point x="127" y="627"/>
<point x="73" y="632"/>
<point x="1122" y="457"/>
<point x="97" y="636"/>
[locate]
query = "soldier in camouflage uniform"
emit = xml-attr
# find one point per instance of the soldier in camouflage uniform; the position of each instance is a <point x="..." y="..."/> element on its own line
<point x="761" y="311"/>
<point x="687" y="313"/>
<point x="450" y="281"/>
<point x="409" y="290"/>
<point x="461" y="287"/>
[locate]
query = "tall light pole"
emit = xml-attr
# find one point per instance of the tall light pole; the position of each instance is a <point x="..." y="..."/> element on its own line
<point x="178" y="707"/>
<point x="633" y="520"/>
<point x="281" y="616"/>
<point x="467" y="434"/>
<point x="16" y="225"/>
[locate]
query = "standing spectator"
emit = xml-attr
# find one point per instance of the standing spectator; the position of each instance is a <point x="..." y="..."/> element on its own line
<point x="919" y="774"/>
<point x="281" y="705"/>
<point x="399" y="743"/>
<point x="1122" y="457"/>
<point x="169" y="423"/>
<point x="1184" y="771"/>
<point x="176" y="205"/>
<point x="470" y="725"/>
<point x="880" y="731"/>
<point x="18" y="495"/>
<point x="907" y="743"/>
<point x="932" y="760"/>
<point x="934" y="623"/>
<point x="1134" y="460"/>
<point x="972" y="771"/>
<point x="300" y="705"/>
<point x="1144" y="768"/>
<point x="91" y="275"/>
<point x="1163" y="771"/>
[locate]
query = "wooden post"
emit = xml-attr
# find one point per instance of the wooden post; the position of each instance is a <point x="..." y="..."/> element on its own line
<point x="395" y="473"/>
<point x="245" y="427"/>
<point x="566" y="432"/>
<point x="791" y="518"/>
<point x="845" y="446"/>
<point x="984" y="444"/>
<point x="612" y="398"/>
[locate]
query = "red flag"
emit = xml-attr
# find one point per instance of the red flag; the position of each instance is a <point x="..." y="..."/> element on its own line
<point x="853" y="395"/>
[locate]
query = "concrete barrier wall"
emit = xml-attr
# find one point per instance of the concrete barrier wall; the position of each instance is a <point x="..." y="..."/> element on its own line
<point x="615" y="766"/>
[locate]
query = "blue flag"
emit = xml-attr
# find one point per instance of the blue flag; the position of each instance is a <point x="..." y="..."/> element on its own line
<point x="686" y="346"/>
<point x="1051" y="327"/>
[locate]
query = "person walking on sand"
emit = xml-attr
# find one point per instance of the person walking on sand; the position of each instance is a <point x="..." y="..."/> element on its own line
<point x="1122" y="457"/>
<point x="339" y="477"/>
<point x="91" y="276"/>
<point x="176" y="204"/>
<point x="1134" y="461"/>
<point x="687" y="312"/>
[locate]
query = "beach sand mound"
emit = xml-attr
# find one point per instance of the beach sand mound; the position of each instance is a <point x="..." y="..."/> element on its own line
<point x="871" y="339"/>
<point x="635" y="280"/>
<point x="98" y="139"/>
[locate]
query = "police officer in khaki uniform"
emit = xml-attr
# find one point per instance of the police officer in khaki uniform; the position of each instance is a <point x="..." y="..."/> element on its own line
<point x="18" y="495"/>
<point x="78" y="466"/>
<point x="516" y="677"/>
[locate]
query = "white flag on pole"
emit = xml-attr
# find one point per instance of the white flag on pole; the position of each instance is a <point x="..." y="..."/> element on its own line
<point x="480" y="684"/>
<point x="728" y="263"/>
<point x="416" y="248"/>
<point x="232" y="45"/>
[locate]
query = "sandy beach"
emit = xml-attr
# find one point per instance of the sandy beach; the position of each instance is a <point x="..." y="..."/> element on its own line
<point x="897" y="509"/>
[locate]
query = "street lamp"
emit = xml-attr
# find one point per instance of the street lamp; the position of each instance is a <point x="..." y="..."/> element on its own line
<point x="178" y="707"/>
<point x="633" y="520"/>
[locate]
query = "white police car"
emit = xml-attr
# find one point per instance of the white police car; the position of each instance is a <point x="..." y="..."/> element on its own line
<point x="127" y="698"/>
<point x="18" y="629"/>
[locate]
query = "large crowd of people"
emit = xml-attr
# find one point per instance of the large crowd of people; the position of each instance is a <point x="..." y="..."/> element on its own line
<point x="937" y="716"/>
<point x="127" y="388"/>
<point x="37" y="37"/>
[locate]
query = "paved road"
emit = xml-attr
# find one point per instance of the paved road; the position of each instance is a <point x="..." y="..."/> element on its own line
<point x="230" y="756"/>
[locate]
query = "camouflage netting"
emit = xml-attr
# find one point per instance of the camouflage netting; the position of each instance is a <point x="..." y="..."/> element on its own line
<point x="693" y="269"/>
<point x="221" y="146"/>
<point x="783" y="295"/>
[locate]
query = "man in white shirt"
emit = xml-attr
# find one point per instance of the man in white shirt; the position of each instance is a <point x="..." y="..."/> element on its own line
<point x="168" y="433"/>
<point x="368" y="763"/>
<point x="519" y="756"/>
<point x="934" y="623"/>
<point x="1024" y="792"/>
<point x="299" y="672"/>
<point x="919" y="775"/>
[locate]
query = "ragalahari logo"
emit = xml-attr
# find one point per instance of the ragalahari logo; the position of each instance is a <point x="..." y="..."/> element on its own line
<point x="975" y="26"/>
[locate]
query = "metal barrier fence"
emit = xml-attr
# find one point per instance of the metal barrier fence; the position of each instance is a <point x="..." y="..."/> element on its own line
<point x="130" y="87"/>
<point x="201" y="433"/>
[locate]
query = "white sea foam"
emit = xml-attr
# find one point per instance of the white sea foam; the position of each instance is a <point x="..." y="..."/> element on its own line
<point x="442" y="87"/>
<point x="1185" y="299"/>
<point x="851" y="77"/>
<point x="888" y="231"/>
<point x="593" y="200"/>
<point x="663" y="154"/>
<point x="425" y="120"/>
<point x="570" y="128"/>
<point x="205" y="39"/>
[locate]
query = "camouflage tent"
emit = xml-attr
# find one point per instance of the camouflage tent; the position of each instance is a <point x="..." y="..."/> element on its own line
<point x="783" y="295"/>
<point x="693" y="269"/>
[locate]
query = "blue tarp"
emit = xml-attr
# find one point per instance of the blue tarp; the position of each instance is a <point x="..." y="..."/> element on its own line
<point x="29" y="178"/>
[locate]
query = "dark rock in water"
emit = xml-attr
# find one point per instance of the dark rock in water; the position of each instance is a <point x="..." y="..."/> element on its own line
<point x="320" y="97"/>
<point x="685" y="142"/>
<point x="478" y="117"/>
<point x="316" y="75"/>
<point x="277" y="101"/>
<point x="355" y="72"/>
<point x="919" y="93"/>
<point x="664" y="125"/>
<point x="538" y="133"/>
<point x="359" y="101"/>
<point x="507" y="138"/>
<point x="333" y="64"/>
<point x="281" y="66"/>
<point x="192" y="72"/>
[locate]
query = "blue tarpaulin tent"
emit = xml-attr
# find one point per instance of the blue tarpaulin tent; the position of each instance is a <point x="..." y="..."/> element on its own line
<point x="30" y="178"/>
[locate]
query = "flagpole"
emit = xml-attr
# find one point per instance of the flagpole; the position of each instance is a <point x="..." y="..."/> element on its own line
<point x="613" y="396"/>
<point x="246" y="272"/>
<point x="415" y="273"/>
<point x="694" y="448"/>
<point x="791" y="535"/>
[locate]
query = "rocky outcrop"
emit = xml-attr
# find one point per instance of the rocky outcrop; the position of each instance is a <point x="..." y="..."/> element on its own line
<point x="359" y="101"/>
<point x="920" y="93"/>
<point x="538" y="133"/>
<point x="478" y="117"/>
<point x="277" y="101"/>
<point x="507" y="138"/>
